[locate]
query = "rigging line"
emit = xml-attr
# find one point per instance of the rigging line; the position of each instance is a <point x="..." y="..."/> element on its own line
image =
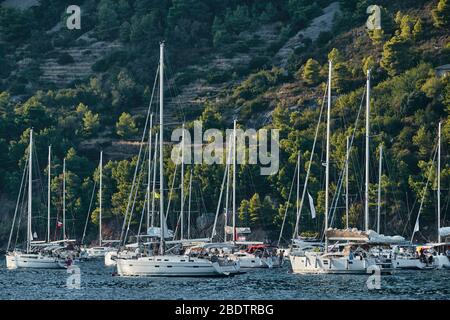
<point x="88" y="213"/>
<point x="171" y="192"/>
<point x="139" y="155"/>
<point x="415" y="201"/>
<point x="178" y="221"/>
<point x="341" y="175"/>
<point x="176" y="91"/>
<point x="305" y="186"/>
<point x="424" y="192"/>
<point x="297" y="168"/>
<point x="147" y="198"/>
<point x="136" y="192"/>
<point x="17" y="204"/>
<point x="22" y="208"/>
<point x="225" y="174"/>
<point x="177" y="103"/>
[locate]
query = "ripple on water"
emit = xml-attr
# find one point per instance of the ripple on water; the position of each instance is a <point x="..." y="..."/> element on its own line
<point x="97" y="282"/>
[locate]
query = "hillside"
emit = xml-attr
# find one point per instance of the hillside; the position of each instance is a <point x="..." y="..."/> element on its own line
<point x="261" y="62"/>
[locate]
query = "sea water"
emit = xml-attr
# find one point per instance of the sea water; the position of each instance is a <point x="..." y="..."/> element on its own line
<point x="98" y="282"/>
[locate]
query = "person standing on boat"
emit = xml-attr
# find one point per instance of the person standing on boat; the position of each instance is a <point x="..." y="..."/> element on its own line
<point x="281" y="257"/>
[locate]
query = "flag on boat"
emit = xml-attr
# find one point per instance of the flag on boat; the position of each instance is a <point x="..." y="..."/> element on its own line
<point x="59" y="224"/>
<point x="416" y="226"/>
<point x="311" y="206"/>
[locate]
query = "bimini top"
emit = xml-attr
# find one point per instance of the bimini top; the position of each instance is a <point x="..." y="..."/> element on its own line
<point x="444" y="232"/>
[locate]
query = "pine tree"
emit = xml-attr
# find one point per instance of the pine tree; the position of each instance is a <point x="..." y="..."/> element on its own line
<point x="108" y="20"/>
<point x="254" y="210"/>
<point x="441" y="15"/>
<point x="418" y="29"/>
<point x="91" y="123"/>
<point x="243" y="212"/>
<point x="395" y="55"/>
<point x="311" y="72"/>
<point x="126" y="127"/>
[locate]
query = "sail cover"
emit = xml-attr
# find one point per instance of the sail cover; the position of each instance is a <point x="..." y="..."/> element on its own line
<point x="444" y="232"/>
<point x="156" y="232"/>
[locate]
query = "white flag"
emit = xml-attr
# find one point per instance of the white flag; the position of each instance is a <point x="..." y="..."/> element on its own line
<point x="311" y="206"/>
<point x="416" y="226"/>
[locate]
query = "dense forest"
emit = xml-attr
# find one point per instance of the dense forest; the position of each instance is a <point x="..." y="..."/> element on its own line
<point x="105" y="107"/>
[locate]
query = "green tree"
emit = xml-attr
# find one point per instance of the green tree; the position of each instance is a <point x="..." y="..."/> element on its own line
<point x="311" y="72"/>
<point x="418" y="30"/>
<point x="254" y="210"/>
<point x="243" y="212"/>
<point x="441" y="14"/>
<point x="368" y="63"/>
<point x="91" y="123"/>
<point x="396" y="55"/>
<point x="108" y="20"/>
<point x="126" y="126"/>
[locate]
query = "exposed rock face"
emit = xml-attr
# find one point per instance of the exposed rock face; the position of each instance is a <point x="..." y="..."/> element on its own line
<point x="318" y="25"/>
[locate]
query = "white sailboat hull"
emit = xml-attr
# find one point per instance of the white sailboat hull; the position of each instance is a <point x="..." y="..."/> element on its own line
<point x="311" y="263"/>
<point x="409" y="264"/>
<point x="252" y="261"/>
<point x="441" y="261"/>
<point x="98" y="252"/>
<point x="110" y="258"/>
<point x="177" y="266"/>
<point x="32" y="260"/>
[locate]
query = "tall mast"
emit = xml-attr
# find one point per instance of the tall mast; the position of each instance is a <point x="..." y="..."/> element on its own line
<point x="30" y="183"/>
<point x="149" y="169"/>
<point x="161" y="146"/>
<point x="298" y="193"/>
<point x="182" y="186"/>
<point x="366" y="192"/>
<point x="380" y="167"/>
<point x="152" y="222"/>
<point x="100" y="200"/>
<point x="64" y="199"/>
<point x="189" y="206"/>
<point x="234" y="181"/>
<point x="347" y="156"/>
<point x="327" y="161"/>
<point x="439" y="183"/>
<point x="227" y="168"/>
<point x="48" y="192"/>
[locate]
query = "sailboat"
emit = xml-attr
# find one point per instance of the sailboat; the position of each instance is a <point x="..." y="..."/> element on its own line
<point x="436" y="253"/>
<point x="341" y="257"/>
<point x="37" y="254"/>
<point x="99" y="251"/>
<point x="160" y="263"/>
<point x="252" y="254"/>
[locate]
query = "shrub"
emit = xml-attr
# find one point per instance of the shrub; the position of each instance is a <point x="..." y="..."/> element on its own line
<point x="65" y="58"/>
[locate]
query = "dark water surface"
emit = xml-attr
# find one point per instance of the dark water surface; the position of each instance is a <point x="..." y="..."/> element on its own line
<point x="97" y="282"/>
